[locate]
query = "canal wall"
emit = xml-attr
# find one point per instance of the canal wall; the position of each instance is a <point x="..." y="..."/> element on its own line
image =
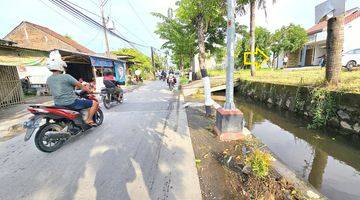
<point x="324" y="109"/>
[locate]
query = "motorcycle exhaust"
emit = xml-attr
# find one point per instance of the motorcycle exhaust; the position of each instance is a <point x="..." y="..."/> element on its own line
<point x="56" y="135"/>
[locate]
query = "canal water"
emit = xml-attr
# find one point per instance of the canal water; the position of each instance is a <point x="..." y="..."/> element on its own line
<point x="331" y="163"/>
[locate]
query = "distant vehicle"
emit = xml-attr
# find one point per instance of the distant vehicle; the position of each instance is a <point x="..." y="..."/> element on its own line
<point x="351" y="59"/>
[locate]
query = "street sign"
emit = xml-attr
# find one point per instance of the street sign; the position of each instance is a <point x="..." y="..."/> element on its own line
<point x="329" y="8"/>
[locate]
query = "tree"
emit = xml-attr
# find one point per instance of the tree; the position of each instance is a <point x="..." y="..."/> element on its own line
<point x="159" y="61"/>
<point x="263" y="42"/>
<point x="261" y="5"/>
<point x="179" y="38"/>
<point x="334" y="48"/>
<point x="242" y="45"/>
<point x="141" y="61"/>
<point x="287" y="39"/>
<point x="206" y="16"/>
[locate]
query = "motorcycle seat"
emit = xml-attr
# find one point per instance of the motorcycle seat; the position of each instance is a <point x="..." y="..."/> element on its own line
<point x="54" y="107"/>
<point x="110" y="90"/>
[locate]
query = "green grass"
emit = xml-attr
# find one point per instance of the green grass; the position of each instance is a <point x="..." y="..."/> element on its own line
<point x="350" y="81"/>
<point x="184" y="80"/>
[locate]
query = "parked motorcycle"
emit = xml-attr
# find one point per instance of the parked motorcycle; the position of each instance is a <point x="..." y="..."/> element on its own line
<point x="108" y="95"/>
<point x="61" y="123"/>
<point x="26" y="85"/>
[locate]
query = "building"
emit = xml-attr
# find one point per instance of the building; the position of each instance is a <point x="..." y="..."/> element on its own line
<point x="33" y="36"/>
<point x="316" y="45"/>
<point x="13" y="60"/>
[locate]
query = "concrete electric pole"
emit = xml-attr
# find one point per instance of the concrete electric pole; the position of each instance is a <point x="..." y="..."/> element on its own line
<point x="229" y="104"/>
<point x="229" y="120"/>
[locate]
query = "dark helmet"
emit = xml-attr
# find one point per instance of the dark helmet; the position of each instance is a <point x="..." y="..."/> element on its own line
<point x="108" y="72"/>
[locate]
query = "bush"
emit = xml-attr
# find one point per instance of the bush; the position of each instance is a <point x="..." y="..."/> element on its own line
<point x="259" y="162"/>
<point x="184" y="80"/>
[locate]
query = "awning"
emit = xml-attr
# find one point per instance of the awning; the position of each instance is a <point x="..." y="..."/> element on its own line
<point x="15" y="56"/>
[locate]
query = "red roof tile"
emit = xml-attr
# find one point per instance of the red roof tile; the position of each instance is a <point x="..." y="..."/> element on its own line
<point x="68" y="41"/>
<point x="322" y="25"/>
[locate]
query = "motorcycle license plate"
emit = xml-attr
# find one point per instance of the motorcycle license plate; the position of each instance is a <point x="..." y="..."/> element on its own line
<point x="31" y="125"/>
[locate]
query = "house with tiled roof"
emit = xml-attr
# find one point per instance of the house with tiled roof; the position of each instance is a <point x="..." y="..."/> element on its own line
<point x="30" y="35"/>
<point x="310" y="54"/>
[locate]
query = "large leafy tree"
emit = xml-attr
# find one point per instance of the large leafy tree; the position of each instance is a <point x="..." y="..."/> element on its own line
<point x="261" y="4"/>
<point x="206" y="16"/>
<point x="288" y="39"/>
<point x="141" y="61"/>
<point x="179" y="38"/>
<point x="263" y="42"/>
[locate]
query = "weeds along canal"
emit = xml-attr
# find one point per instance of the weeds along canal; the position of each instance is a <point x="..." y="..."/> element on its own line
<point x="330" y="162"/>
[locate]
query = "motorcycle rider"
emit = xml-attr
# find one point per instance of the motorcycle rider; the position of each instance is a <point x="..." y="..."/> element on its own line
<point x="62" y="88"/>
<point x="171" y="77"/>
<point x="110" y="82"/>
<point x="163" y="75"/>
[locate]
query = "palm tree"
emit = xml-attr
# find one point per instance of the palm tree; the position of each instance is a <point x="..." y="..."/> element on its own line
<point x="261" y="5"/>
<point x="334" y="48"/>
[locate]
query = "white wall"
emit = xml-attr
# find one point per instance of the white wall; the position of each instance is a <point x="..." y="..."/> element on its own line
<point x="210" y="63"/>
<point x="38" y="74"/>
<point x="352" y="35"/>
<point x="320" y="50"/>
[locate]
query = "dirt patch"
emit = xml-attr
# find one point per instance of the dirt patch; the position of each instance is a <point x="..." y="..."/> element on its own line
<point x="221" y="166"/>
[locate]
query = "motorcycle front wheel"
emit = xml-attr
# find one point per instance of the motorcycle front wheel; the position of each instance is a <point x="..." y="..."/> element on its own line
<point x="98" y="117"/>
<point x="42" y="140"/>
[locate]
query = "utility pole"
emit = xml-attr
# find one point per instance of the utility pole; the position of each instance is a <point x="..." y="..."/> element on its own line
<point x="229" y="104"/>
<point x="229" y="120"/>
<point x="152" y="57"/>
<point x="104" y="25"/>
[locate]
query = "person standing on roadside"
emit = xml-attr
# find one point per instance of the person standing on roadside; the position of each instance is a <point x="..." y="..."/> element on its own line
<point x="285" y="61"/>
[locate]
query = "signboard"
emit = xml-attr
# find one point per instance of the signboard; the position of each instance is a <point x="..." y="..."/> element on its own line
<point x="101" y="62"/>
<point x="329" y="8"/>
<point x="120" y="71"/>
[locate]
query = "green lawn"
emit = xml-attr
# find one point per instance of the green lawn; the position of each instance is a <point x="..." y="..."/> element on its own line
<point x="350" y="81"/>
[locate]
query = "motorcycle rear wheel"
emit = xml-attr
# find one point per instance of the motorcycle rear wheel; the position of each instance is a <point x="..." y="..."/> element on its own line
<point x="106" y="101"/>
<point x="42" y="141"/>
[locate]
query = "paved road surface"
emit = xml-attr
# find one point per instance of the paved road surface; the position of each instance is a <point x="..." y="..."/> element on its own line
<point x="142" y="151"/>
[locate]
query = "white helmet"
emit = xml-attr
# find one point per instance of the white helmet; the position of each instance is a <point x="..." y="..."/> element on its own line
<point x="54" y="62"/>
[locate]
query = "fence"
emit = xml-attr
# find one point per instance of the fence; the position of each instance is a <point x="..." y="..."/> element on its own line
<point x="10" y="86"/>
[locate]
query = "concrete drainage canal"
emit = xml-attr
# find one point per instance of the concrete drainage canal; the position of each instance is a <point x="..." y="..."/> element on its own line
<point x="330" y="162"/>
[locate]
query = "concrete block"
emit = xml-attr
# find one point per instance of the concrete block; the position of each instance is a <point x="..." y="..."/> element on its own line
<point x="229" y="124"/>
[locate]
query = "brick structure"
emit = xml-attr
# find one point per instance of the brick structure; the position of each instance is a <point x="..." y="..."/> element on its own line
<point x="294" y="58"/>
<point x="29" y="35"/>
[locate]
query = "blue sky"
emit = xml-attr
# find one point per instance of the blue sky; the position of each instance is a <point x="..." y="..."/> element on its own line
<point x="44" y="13"/>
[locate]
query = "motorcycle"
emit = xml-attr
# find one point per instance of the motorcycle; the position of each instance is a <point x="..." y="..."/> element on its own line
<point x="163" y="77"/>
<point x="171" y="82"/>
<point x="108" y="95"/>
<point x="61" y="123"/>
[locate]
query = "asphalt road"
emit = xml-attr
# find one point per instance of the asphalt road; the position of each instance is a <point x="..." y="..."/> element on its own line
<point x="142" y="151"/>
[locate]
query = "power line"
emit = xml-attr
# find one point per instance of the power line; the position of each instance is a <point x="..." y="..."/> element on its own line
<point x="83" y="8"/>
<point x="58" y="12"/>
<point x="78" y="14"/>
<point x="141" y="21"/>
<point x="93" y="39"/>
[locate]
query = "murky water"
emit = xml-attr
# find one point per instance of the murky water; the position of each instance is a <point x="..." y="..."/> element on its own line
<point x="331" y="163"/>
